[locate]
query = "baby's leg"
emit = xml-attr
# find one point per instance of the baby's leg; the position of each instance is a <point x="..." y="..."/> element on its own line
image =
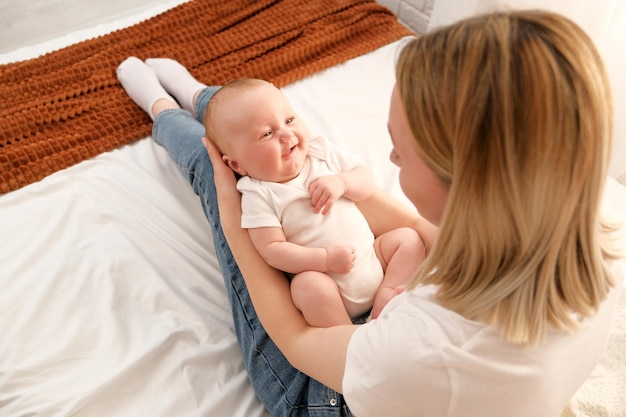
<point x="317" y="296"/>
<point x="178" y="81"/>
<point x="143" y="87"/>
<point x="400" y="252"/>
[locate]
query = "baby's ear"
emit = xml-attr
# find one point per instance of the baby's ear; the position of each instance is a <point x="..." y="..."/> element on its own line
<point x="234" y="165"/>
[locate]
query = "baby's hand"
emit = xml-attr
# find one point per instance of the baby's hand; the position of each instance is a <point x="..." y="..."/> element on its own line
<point x="340" y="259"/>
<point x="325" y="191"/>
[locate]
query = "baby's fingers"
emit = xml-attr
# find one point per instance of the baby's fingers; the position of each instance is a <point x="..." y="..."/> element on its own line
<point x="320" y="199"/>
<point x="328" y="204"/>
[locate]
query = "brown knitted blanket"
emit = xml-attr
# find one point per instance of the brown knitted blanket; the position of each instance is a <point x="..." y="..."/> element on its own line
<point x="67" y="106"/>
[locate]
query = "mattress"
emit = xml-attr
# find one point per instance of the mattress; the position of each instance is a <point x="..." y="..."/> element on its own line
<point x="111" y="298"/>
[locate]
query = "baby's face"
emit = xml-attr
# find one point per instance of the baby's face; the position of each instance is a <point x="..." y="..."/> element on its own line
<point x="266" y="139"/>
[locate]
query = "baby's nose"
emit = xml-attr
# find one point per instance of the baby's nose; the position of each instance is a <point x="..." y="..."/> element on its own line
<point x="285" y="136"/>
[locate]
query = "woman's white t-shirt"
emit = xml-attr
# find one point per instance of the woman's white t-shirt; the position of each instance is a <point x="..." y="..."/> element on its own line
<point x="420" y="359"/>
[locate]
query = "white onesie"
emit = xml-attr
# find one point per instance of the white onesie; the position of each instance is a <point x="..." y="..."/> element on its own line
<point x="288" y="205"/>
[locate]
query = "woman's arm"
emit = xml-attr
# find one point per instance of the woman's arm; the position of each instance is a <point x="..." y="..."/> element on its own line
<point x="318" y="352"/>
<point x="384" y="213"/>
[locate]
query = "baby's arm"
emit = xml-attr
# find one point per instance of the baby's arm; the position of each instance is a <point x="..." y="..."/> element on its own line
<point x="271" y="243"/>
<point x="356" y="185"/>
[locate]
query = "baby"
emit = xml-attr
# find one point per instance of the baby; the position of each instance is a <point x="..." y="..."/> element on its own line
<point x="298" y="193"/>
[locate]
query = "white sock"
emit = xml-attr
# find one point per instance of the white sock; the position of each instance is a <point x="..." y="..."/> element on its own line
<point x="177" y="81"/>
<point x="141" y="84"/>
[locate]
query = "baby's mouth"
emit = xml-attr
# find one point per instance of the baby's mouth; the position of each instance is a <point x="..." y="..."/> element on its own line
<point x="290" y="151"/>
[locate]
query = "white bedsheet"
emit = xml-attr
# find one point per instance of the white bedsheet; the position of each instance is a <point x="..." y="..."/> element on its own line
<point x="111" y="300"/>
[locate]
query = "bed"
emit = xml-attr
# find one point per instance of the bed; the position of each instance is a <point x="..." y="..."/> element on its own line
<point x="111" y="299"/>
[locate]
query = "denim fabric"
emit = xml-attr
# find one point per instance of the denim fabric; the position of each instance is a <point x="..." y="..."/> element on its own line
<point x="283" y="390"/>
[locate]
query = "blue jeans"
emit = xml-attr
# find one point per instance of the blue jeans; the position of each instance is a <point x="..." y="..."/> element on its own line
<point x="282" y="389"/>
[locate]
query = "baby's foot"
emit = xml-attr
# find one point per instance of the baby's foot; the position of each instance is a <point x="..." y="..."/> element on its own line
<point x="177" y="80"/>
<point x="383" y="296"/>
<point x="141" y="84"/>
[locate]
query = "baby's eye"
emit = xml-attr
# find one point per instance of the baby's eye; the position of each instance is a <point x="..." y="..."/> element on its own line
<point x="267" y="134"/>
<point x="289" y="120"/>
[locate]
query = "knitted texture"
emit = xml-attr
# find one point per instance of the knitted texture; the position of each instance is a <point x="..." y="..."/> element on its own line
<point x="67" y="106"/>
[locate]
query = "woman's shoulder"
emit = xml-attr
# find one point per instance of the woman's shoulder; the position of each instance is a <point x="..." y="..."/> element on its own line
<point x="418" y="322"/>
<point x="429" y="350"/>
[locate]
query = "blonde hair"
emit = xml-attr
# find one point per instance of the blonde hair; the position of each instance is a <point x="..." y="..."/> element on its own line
<point x="513" y="111"/>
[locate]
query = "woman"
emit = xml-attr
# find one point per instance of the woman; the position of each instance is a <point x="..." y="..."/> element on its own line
<point x="501" y="127"/>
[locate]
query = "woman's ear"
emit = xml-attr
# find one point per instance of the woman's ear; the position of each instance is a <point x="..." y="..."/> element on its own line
<point x="234" y="165"/>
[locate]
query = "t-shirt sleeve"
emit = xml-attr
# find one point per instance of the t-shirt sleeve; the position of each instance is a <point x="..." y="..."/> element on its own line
<point x="337" y="158"/>
<point x="257" y="210"/>
<point x="392" y="371"/>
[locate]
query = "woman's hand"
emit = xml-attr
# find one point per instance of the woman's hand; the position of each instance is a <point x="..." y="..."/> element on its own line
<point x="229" y="199"/>
<point x="224" y="176"/>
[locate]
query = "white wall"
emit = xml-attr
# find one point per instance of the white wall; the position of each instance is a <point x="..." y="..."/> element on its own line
<point x="27" y="22"/>
<point x="413" y="13"/>
<point x="603" y="20"/>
